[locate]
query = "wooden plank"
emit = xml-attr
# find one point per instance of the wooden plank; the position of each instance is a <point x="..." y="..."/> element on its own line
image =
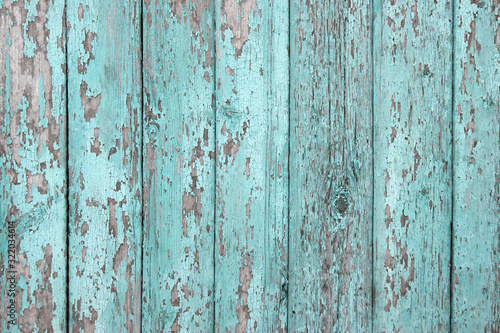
<point x="251" y="166"/>
<point x="330" y="167"/>
<point x="412" y="165"/>
<point x="179" y="172"/>
<point x="476" y="168"/>
<point x="33" y="166"/>
<point x="104" y="110"/>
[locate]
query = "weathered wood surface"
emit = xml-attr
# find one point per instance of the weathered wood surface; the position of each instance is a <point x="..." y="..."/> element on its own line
<point x="330" y="167"/>
<point x="104" y="129"/>
<point x="412" y="165"/>
<point x="179" y="159"/>
<point x="33" y="164"/>
<point x="247" y="166"/>
<point x="251" y="166"/>
<point x="476" y="168"/>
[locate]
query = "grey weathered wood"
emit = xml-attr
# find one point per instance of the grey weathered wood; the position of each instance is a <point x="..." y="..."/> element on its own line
<point x="179" y="172"/>
<point x="251" y="165"/>
<point x="33" y="165"/>
<point x="330" y="167"/>
<point x="412" y="166"/>
<point x="476" y="168"/>
<point x="105" y="193"/>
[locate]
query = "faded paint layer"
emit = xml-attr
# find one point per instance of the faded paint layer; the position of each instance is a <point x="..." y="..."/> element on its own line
<point x="179" y="159"/>
<point x="33" y="163"/>
<point x="330" y="167"/>
<point x="412" y="165"/>
<point x="402" y="137"/>
<point x="105" y="134"/>
<point x="476" y="168"/>
<point x="251" y="166"/>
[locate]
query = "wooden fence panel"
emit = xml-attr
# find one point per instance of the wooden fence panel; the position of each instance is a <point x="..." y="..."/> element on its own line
<point x="476" y="168"/>
<point x="247" y="166"/>
<point x="251" y="165"/>
<point x="105" y="134"/>
<point x="32" y="166"/>
<point x="330" y="167"/>
<point x="412" y="175"/>
<point x="179" y="171"/>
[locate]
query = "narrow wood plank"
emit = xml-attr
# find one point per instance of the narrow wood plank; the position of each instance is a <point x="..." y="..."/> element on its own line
<point x="331" y="180"/>
<point x="32" y="166"/>
<point x="251" y="166"/>
<point x="104" y="85"/>
<point x="412" y="145"/>
<point x="476" y="168"/>
<point x="179" y="172"/>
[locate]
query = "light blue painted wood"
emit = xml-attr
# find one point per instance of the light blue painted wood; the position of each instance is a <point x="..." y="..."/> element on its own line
<point x="105" y="134"/>
<point x="330" y="167"/>
<point x="179" y="172"/>
<point x="412" y="165"/>
<point x="251" y="166"/>
<point x="476" y="168"/>
<point x="32" y="166"/>
<point x="413" y="148"/>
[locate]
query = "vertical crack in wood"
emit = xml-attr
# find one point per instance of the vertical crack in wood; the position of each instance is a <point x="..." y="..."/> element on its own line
<point x="141" y="116"/>
<point x="453" y="53"/>
<point x="214" y="110"/>
<point x="67" y="163"/>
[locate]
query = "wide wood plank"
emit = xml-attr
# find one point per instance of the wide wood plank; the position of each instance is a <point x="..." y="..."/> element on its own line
<point x="105" y="133"/>
<point x="32" y="166"/>
<point x="251" y="166"/>
<point x="179" y="171"/>
<point x="476" y="168"/>
<point x="412" y="165"/>
<point x="330" y="167"/>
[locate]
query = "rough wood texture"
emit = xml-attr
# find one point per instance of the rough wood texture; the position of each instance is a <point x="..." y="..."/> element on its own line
<point x="412" y="175"/>
<point x="33" y="164"/>
<point x="179" y="175"/>
<point x="247" y="166"/>
<point x="251" y="166"/>
<point x="105" y="126"/>
<point x="330" y="167"/>
<point x="476" y="168"/>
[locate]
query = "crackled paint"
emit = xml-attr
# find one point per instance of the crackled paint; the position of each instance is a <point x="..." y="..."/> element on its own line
<point x="330" y="167"/>
<point x="251" y="166"/>
<point x="179" y="162"/>
<point x="105" y="174"/>
<point x="412" y="165"/>
<point x="476" y="168"/>
<point x="247" y="166"/>
<point x="33" y="163"/>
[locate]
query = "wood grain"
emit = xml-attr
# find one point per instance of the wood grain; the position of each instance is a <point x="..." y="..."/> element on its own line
<point x="476" y="168"/>
<point x="251" y="166"/>
<point x="412" y="165"/>
<point x="247" y="166"/>
<point x="330" y="167"/>
<point x="33" y="164"/>
<point x="105" y="126"/>
<point x="179" y="172"/>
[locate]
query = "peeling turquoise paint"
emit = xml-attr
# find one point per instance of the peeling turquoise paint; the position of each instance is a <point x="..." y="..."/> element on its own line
<point x="105" y="190"/>
<point x="476" y="168"/>
<point x="248" y="166"/>
<point x="179" y="162"/>
<point x="33" y="163"/>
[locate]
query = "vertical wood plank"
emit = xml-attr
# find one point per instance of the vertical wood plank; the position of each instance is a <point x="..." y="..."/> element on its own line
<point x="33" y="165"/>
<point x="330" y="167"/>
<point x="476" y="168"/>
<point x="179" y="175"/>
<point x="412" y="147"/>
<point x="251" y="165"/>
<point x="104" y="86"/>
